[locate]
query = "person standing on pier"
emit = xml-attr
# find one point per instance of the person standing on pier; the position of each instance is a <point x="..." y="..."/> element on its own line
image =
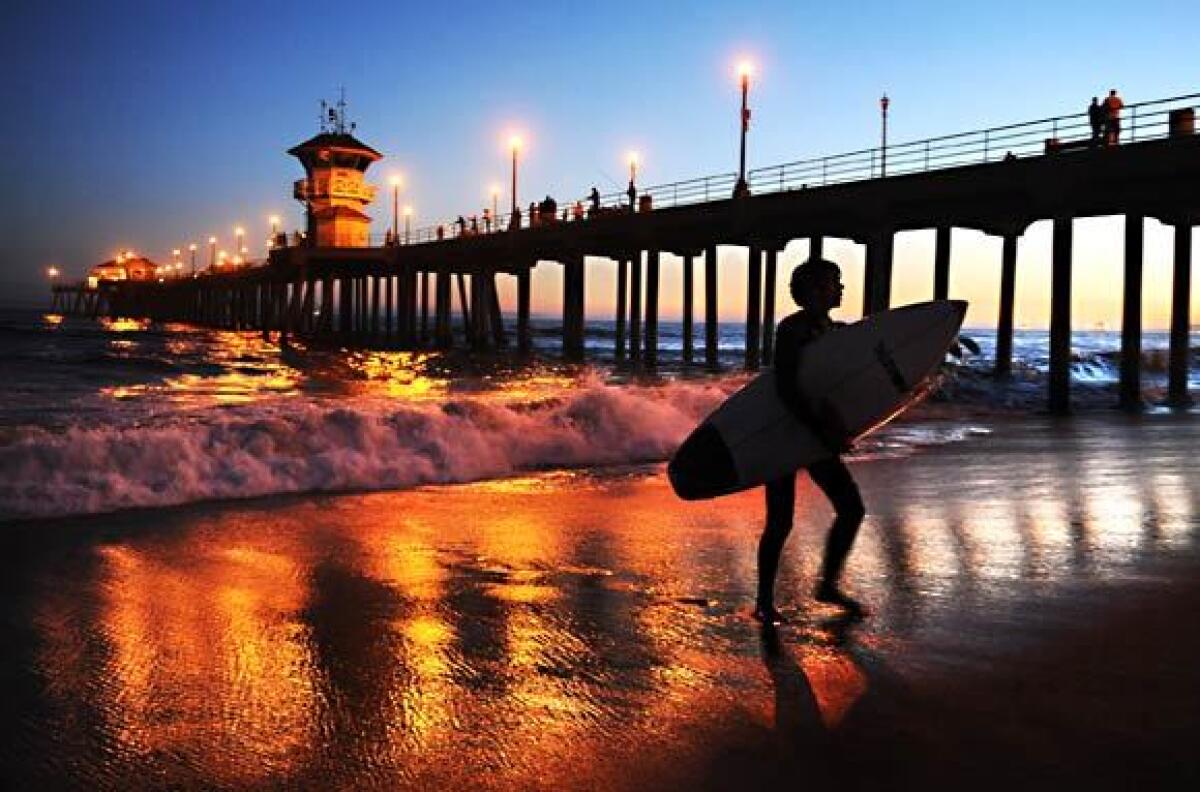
<point x="1096" y="119"/>
<point x="594" y="197"/>
<point x="1113" y="106"/>
<point x="816" y="286"/>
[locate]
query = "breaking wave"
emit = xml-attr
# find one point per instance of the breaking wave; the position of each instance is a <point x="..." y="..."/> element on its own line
<point x="314" y="446"/>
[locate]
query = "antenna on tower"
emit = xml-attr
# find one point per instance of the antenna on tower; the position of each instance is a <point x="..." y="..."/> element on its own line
<point x="341" y="112"/>
<point x="321" y="117"/>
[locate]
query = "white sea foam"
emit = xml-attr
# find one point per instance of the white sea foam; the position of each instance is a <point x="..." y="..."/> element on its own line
<point x="319" y="446"/>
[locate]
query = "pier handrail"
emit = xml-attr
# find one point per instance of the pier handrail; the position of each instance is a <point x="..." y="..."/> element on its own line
<point x="1142" y="121"/>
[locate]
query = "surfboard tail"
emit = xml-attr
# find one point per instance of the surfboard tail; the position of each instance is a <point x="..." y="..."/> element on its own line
<point x="703" y="466"/>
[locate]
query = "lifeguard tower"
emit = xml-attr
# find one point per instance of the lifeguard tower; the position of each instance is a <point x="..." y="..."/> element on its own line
<point x="333" y="191"/>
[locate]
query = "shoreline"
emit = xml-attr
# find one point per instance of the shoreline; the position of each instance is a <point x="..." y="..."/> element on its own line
<point x="1031" y="594"/>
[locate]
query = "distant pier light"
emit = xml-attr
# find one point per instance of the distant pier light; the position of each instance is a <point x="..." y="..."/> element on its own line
<point x="408" y="211"/>
<point x="334" y="190"/>
<point x="634" y="159"/>
<point x="52" y="273"/>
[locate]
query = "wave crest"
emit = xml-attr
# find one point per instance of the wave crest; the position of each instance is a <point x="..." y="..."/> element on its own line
<point x="319" y="447"/>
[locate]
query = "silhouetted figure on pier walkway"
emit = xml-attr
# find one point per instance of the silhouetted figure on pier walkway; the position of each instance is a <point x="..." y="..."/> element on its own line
<point x="816" y="286"/>
<point x="594" y="197"/>
<point x="632" y="193"/>
<point x="1113" y="106"/>
<point x="1096" y="119"/>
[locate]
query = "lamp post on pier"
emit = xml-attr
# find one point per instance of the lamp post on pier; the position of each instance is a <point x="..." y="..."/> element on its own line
<point x="496" y="204"/>
<point x="212" y="252"/>
<point x="274" y="221"/>
<point x="407" y="223"/>
<point x="397" y="180"/>
<point x="883" y="110"/>
<point x="515" y="143"/>
<point x="742" y="188"/>
<point x="239" y="234"/>
<point x="192" y="251"/>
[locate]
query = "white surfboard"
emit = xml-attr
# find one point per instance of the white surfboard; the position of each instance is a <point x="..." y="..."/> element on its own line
<point x="854" y="379"/>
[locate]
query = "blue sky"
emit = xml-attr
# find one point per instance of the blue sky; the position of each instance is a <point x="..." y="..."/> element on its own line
<point x="149" y="125"/>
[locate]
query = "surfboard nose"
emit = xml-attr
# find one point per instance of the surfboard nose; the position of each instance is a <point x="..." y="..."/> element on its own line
<point x="961" y="307"/>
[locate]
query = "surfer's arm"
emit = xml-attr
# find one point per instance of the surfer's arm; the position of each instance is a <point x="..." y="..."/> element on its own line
<point x="789" y="349"/>
<point x="789" y="352"/>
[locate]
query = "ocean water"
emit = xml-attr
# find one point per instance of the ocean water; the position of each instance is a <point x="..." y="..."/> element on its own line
<point x="102" y="415"/>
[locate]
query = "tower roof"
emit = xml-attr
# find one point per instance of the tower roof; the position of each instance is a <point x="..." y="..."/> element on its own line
<point x="336" y="142"/>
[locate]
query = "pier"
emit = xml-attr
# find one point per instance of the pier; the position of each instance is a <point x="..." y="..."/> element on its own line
<point x="403" y="293"/>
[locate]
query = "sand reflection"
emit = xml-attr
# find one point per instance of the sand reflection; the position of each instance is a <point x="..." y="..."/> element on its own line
<point x="556" y="628"/>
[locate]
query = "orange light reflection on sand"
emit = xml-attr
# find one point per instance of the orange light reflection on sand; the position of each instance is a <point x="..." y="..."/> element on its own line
<point x="188" y="650"/>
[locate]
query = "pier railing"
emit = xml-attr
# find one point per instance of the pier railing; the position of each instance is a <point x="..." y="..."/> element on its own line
<point x="1054" y="136"/>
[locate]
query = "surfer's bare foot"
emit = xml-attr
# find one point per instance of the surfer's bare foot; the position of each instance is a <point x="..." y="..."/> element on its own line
<point x="768" y="616"/>
<point x="832" y="595"/>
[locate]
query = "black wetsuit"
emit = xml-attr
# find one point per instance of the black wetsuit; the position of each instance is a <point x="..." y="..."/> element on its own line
<point x="831" y="475"/>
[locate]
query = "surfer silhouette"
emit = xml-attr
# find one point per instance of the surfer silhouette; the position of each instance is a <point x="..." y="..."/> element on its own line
<point x="816" y="286"/>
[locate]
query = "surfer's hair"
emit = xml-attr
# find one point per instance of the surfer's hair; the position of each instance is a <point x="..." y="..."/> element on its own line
<point x="808" y="274"/>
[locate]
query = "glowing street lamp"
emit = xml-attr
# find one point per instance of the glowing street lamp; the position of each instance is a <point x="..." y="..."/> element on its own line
<point x="239" y="233"/>
<point x="407" y="222"/>
<point x="495" y="190"/>
<point x="212" y="252"/>
<point x="633" y="166"/>
<point x="745" y="70"/>
<point x="52" y="273"/>
<point x="274" y="221"/>
<point x="514" y="143"/>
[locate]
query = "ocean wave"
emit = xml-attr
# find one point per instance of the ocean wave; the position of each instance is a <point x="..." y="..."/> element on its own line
<point x="321" y="447"/>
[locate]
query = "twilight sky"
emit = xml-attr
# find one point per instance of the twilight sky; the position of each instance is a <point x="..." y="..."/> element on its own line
<point x="151" y="125"/>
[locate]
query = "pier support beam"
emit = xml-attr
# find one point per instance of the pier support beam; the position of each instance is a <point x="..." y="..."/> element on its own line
<point x="424" y="307"/>
<point x="1131" y="316"/>
<point x="1181" y="292"/>
<point x="573" y="297"/>
<point x="710" y="307"/>
<point x="769" y="308"/>
<point x="753" y="307"/>
<point x="442" y="307"/>
<point x="635" y="306"/>
<point x="652" y="277"/>
<point x="345" y="305"/>
<point x="1060" y="316"/>
<point x="941" y="263"/>
<point x="493" y="302"/>
<point x="877" y="284"/>
<point x="464" y="305"/>
<point x="688" y="272"/>
<point x="1008" y="287"/>
<point x="816" y="247"/>
<point x="376" y="288"/>
<point x="622" y="291"/>
<point x="524" y="339"/>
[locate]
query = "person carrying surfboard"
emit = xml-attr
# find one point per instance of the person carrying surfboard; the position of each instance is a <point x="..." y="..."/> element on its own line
<point x="816" y="286"/>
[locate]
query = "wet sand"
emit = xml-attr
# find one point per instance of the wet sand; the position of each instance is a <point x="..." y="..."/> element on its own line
<point x="1034" y="594"/>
